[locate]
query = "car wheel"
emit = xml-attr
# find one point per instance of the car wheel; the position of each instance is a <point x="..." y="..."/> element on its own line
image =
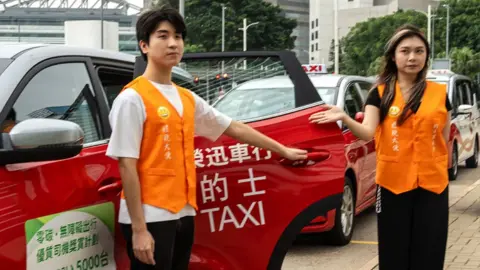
<point x="342" y="233"/>
<point x="472" y="162"/>
<point x="453" y="171"/>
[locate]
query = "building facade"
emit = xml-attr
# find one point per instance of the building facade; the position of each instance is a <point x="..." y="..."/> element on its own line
<point x="350" y="12"/>
<point x="298" y="10"/>
<point x="34" y="22"/>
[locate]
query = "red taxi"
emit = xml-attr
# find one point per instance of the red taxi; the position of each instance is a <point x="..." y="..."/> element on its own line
<point x="464" y="96"/>
<point x="269" y="95"/>
<point x="59" y="193"/>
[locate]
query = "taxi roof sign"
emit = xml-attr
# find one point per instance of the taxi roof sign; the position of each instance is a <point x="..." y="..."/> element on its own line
<point x="315" y="68"/>
<point x="440" y="71"/>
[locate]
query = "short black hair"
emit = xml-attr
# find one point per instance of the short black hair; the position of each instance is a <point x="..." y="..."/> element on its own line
<point x="148" y="22"/>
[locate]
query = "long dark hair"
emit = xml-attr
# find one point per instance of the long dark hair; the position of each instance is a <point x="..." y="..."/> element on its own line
<point x="388" y="75"/>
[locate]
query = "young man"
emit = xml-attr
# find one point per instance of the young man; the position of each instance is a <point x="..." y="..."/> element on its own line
<point x="153" y="125"/>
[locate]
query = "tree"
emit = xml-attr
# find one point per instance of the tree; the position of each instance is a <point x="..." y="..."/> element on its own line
<point x="465" y="61"/>
<point x="464" y="25"/>
<point x="159" y="3"/>
<point x="375" y="66"/>
<point x="365" y="42"/>
<point x="204" y="25"/>
<point x="331" y="57"/>
<point x="189" y="48"/>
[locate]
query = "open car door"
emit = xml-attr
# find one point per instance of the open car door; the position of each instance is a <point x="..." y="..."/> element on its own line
<point x="252" y="203"/>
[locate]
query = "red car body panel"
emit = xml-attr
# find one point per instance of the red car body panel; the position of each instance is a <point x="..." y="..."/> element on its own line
<point x="237" y="231"/>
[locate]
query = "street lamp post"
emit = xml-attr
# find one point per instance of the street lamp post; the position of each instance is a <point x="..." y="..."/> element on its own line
<point x="244" y="29"/>
<point x="101" y="24"/>
<point x="335" y="31"/>
<point x="223" y="35"/>
<point x="223" y="27"/>
<point x="447" y="51"/>
<point x="181" y="7"/>
<point x="429" y="24"/>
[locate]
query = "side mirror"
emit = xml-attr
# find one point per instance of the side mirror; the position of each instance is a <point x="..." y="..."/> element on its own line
<point x="41" y="140"/>
<point x="359" y="117"/>
<point x="465" y="109"/>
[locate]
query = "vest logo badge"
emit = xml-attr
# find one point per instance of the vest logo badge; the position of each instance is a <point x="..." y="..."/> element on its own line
<point x="394" y="111"/>
<point x="163" y="112"/>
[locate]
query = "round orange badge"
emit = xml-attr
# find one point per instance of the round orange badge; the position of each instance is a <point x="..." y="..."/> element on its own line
<point x="394" y="111"/>
<point x="163" y="112"/>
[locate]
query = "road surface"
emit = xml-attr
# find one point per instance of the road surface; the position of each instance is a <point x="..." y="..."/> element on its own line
<point x="313" y="254"/>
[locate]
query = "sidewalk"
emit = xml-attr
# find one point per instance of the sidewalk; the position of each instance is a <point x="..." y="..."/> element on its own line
<point x="463" y="249"/>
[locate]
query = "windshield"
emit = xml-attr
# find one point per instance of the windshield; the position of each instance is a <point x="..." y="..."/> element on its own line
<point x="241" y="104"/>
<point x="4" y="62"/>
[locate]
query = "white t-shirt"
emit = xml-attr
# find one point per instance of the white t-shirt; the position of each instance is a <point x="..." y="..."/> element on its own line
<point x="126" y="119"/>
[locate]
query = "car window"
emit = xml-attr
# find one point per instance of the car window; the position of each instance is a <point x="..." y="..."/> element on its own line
<point x="4" y="62"/>
<point x="476" y="90"/>
<point x="463" y="92"/>
<point x="113" y="80"/>
<point x="457" y="95"/>
<point x="365" y="88"/>
<point x="327" y="94"/>
<point x="353" y="101"/>
<point x="468" y="92"/>
<point x="253" y="102"/>
<point x="62" y="91"/>
<point x="254" y="88"/>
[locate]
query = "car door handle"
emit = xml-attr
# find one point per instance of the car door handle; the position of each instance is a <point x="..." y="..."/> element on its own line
<point x="115" y="186"/>
<point x="318" y="155"/>
<point x="313" y="157"/>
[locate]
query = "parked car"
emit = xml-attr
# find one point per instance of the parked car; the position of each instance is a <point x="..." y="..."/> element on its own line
<point x="59" y="192"/>
<point x="465" y="124"/>
<point x="261" y="98"/>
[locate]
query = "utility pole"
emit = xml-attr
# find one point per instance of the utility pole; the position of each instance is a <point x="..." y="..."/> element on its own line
<point x="101" y="24"/>
<point x="223" y="35"/>
<point x="223" y="27"/>
<point x="244" y="29"/>
<point x="447" y="51"/>
<point x="429" y="26"/>
<point x="335" y="31"/>
<point x="181" y="7"/>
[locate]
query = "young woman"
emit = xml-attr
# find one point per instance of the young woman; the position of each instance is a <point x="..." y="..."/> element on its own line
<point x="410" y="121"/>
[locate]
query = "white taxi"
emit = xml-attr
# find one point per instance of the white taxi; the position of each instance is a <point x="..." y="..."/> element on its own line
<point x="464" y="135"/>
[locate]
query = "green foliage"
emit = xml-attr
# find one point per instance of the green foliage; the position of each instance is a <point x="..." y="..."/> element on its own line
<point x="363" y="47"/>
<point x="204" y="25"/>
<point x="191" y="48"/>
<point x="365" y="43"/>
<point x="465" y="61"/>
<point x="464" y="25"/>
<point x="331" y="57"/>
<point x="159" y="3"/>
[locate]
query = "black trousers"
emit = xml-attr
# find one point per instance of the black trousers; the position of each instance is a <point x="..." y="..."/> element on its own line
<point x="173" y="244"/>
<point x="412" y="229"/>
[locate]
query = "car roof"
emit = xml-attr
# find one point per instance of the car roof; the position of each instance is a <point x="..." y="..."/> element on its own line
<point x="11" y="50"/>
<point x="16" y="50"/>
<point x="54" y="50"/>
<point x="326" y="80"/>
<point x="443" y="75"/>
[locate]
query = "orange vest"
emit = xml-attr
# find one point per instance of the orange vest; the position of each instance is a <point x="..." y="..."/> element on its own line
<point x="8" y="127"/>
<point x="166" y="166"/>
<point x="414" y="154"/>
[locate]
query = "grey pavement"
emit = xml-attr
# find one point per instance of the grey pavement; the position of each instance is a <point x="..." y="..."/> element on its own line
<point x="463" y="250"/>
